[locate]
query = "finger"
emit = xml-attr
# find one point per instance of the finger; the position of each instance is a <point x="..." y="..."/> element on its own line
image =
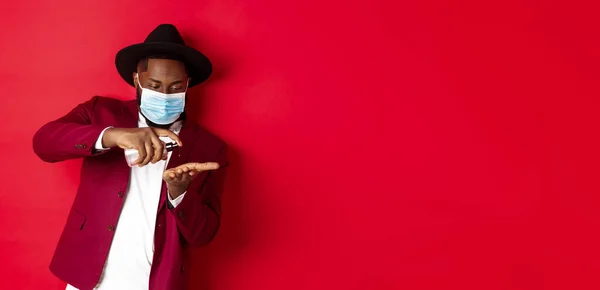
<point x="181" y="172"/>
<point x="141" y="154"/>
<point x="168" y="133"/>
<point x="206" y="166"/>
<point x="158" y="149"/>
<point x="188" y="168"/>
<point x="170" y="174"/>
<point x="149" y="154"/>
<point x="192" y="166"/>
<point x="167" y="176"/>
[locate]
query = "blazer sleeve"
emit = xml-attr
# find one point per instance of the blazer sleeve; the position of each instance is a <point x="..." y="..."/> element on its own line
<point x="70" y="136"/>
<point x="199" y="213"/>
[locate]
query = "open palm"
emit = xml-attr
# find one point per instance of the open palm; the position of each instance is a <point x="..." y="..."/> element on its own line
<point x="179" y="178"/>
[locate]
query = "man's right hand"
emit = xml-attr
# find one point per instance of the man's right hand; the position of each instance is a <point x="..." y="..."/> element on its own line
<point x="144" y="140"/>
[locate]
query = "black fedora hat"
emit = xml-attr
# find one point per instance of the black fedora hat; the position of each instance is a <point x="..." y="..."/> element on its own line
<point x="164" y="41"/>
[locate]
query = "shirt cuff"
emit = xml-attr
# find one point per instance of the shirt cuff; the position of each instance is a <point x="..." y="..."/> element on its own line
<point x="175" y="202"/>
<point x="98" y="144"/>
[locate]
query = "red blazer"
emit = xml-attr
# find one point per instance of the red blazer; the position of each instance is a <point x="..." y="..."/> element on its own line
<point x="85" y="241"/>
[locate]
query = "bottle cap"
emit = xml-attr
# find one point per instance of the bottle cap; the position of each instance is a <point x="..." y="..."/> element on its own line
<point x="170" y="146"/>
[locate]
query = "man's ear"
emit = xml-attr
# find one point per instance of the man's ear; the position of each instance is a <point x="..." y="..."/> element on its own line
<point x="135" y="79"/>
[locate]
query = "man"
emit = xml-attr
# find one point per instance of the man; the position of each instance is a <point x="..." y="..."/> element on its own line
<point x="129" y="225"/>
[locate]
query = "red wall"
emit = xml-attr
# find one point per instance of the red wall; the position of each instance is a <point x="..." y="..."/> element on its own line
<point x="376" y="144"/>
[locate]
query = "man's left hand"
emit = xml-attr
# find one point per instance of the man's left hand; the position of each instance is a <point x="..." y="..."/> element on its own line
<point x="179" y="178"/>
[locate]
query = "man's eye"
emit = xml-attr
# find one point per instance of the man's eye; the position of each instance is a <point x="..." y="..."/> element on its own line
<point x="154" y="86"/>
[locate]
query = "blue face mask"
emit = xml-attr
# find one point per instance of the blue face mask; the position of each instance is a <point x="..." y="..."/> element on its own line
<point x="161" y="108"/>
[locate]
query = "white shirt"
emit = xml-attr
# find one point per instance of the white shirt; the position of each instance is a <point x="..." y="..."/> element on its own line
<point x="130" y="257"/>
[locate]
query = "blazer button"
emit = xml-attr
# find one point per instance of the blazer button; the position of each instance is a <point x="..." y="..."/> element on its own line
<point x="181" y="214"/>
<point x="111" y="228"/>
<point x="120" y="194"/>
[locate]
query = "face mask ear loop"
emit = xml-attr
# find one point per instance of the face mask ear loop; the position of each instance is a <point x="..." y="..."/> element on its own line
<point x="138" y="81"/>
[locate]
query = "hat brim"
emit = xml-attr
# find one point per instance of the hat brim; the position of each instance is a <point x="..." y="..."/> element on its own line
<point x="198" y="65"/>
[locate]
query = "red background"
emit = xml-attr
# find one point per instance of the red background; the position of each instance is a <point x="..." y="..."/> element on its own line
<point x="375" y="144"/>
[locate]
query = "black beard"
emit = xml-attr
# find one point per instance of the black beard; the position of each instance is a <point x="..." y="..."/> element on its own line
<point x="138" y="97"/>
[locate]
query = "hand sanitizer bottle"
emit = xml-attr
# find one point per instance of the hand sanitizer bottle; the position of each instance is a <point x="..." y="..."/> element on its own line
<point x="131" y="155"/>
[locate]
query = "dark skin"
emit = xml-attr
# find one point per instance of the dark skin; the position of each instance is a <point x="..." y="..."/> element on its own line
<point x="168" y="77"/>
